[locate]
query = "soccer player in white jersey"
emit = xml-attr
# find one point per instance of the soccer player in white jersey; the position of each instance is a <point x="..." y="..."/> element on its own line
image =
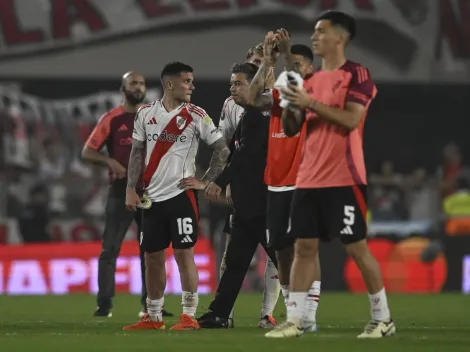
<point x="167" y="134"/>
<point x="229" y="119"/>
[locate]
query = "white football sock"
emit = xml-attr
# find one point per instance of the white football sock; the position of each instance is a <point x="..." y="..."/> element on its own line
<point x="271" y="289"/>
<point x="285" y="294"/>
<point x="189" y="301"/>
<point x="379" y="306"/>
<point x="313" y="298"/>
<point x="296" y="307"/>
<point x="154" y="308"/>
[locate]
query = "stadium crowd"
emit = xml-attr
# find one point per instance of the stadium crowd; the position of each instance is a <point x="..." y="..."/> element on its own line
<point x="40" y="166"/>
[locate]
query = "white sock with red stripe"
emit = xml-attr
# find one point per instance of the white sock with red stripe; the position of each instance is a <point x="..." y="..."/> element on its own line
<point x="189" y="301"/>
<point x="272" y="288"/>
<point x="154" y="308"/>
<point x="296" y="307"/>
<point x="311" y="305"/>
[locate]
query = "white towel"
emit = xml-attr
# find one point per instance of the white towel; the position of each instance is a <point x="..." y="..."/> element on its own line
<point x="282" y="82"/>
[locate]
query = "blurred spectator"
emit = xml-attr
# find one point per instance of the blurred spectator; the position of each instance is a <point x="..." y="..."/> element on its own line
<point x="458" y="203"/>
<point x="53" y="164"/>
<point x="386" y="194"/>
<point x="16" y="142"/>
<point x="456" y="208"/>
<point x="387" y="176"/>
<point x="52" y="169"/>
<point x="422" y="196"/>
<point x="34" y="218"/>
<point x="7" y="128"/>
<point x="450" y="169"/>
<point x="61" y="172"/>
<point x="19" y="182"/>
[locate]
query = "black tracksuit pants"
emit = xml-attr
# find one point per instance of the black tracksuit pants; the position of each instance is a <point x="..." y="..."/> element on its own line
<point x="118" y="220"/>
<point x="245" y="237"/>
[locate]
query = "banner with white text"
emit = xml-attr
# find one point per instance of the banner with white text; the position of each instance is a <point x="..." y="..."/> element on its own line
<point x="63" y="268"/>
<point x="399" y="40"/>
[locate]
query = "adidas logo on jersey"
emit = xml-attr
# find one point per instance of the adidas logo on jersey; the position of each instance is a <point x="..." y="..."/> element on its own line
<point x="346" y="231"/>
<point x="187" y="239"/>
<point x="123" y="128"/>
<point x="152" y="121"/>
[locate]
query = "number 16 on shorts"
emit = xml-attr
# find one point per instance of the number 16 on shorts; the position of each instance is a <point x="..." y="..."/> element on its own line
<point x="185" y="229"/>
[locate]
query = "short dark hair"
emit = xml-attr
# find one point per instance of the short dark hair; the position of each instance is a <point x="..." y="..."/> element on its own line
<point x="257" y="49"/>
<point x="303" y="50"/>
<point x="341" y="19"/>
<point x="247" y="68"/>
<point x="175" y="69"/>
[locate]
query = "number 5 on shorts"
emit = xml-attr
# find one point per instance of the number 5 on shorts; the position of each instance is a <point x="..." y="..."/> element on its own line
<point x="349" y="216"/>
<point x="185" y="226"/>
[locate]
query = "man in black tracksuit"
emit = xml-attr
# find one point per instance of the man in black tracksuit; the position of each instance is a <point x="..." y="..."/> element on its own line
<point x="245" y="174"/>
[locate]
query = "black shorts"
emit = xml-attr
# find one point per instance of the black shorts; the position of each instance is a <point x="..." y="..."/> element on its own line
<point x="278" y="215"/>
<point x="327" y="213"/>
<point x="174" y="221"/>
<point x="228" y="221"/>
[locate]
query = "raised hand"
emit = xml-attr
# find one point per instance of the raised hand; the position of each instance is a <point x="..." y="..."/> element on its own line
<point x="282" y="41"/>
<point x="269" y="54"/>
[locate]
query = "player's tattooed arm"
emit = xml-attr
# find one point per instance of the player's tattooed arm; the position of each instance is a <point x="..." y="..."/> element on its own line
<point x="218" y="161"/>
<point x="258" y="84"/>
<point x="292" y="120"/>
<point x="284" y="45"/>
<point x="136" y="160"/>
<point x="256" y="98"/>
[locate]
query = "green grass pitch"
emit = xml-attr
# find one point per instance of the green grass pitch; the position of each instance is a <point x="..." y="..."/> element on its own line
<point x="65" y="323"/>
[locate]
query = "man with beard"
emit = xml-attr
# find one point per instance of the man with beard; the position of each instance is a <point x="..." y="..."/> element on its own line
<point x="229" y="119"/>
<point x="114" y="130"/>
<point x="245" y="174"/>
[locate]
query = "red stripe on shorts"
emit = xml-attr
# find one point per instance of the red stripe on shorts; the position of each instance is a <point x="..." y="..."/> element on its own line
<point x="361" y="201"/>
<point x="192" y="199"/>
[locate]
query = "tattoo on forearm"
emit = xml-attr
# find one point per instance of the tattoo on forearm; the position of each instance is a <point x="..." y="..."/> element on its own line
<point x="257" y="87"/>
<point x="135" y="163"/>
<point x="218" y="160"/>
<point x="259" y="81"/>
